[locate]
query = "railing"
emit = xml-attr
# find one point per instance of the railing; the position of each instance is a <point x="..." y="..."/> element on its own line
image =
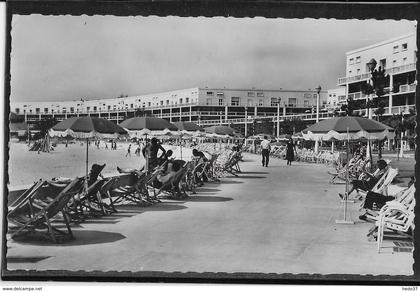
<point x="357" y="96"/>
<point x="366" y="76"/>
<point x="407" y="88"/>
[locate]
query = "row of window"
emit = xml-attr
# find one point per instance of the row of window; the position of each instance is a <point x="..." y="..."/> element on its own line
<point x="382" y="64"/>
<point x="396" y="48"/>
<point x="352" y="60"/>
<point x="221" y="94"/>
<point x="236" y="101"/>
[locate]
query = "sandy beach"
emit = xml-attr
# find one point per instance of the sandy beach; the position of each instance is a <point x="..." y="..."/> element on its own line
<point x="27" y="166"/>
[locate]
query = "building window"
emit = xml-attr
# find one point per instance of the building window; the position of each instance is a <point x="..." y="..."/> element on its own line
<point x="358" y="60"/>
<point x="261" y="102"/>
<point x="45" y="110"/>
<point x="351" y="61"/>
<point x="180" y="100"/>
<point x="394" y="63"/>
<point x="167" y="102"/>
<point x="161" y="103"/>
<point x="187" y="100"/>
<point x="235" y="101"/>
<point x="208" y="101"/>
<point x="149" y="104"/>
<point x="251" y="94"/>
<point x="274" y="101"/>
<point x="220" y="94"/>
<point x="71" y="109"/>
<point x="94" y="108"/>
<point x="307" y="95"/>
<point x="404" y="47"/>
<point x="358" y="71"/>
<point x="131" y="105"/>
<point x="88" y="108"/>
<point x="350" y="73"/>
<point x="221" y="101"/>
<point x="109" y="107"/>
<point x="64" y="110"/>
<point x="292" y="102"/>
<point x="404" y="61"/>
<point x="314" y="95"/>
<point x="382" y="63"/>
<point x="250" y="102"/>
<point x="260" y="94"/>
<point x="209" y="93"/>
<point x="395" y="49"/>
<point x="17" y="110"/>
<point x="37" y="110"/>
<point x="306" y="103"/>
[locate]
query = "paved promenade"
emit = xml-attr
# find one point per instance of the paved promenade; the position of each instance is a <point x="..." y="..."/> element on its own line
<point x="279" y="219"/>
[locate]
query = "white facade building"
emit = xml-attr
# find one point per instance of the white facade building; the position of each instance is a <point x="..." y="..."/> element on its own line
<point x="398" y="57"/>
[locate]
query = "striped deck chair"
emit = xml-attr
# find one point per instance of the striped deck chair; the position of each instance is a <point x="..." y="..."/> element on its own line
<point x="42" y="212"/>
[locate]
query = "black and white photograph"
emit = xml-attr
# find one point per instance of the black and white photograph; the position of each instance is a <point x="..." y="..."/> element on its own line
<point x="172" y="146"/>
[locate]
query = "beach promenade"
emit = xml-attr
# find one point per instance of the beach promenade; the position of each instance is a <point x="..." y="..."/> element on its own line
<point x="279" y="219"/>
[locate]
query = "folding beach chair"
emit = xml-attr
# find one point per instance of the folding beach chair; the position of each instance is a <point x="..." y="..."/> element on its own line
<point x="397" y="219"/>
<point x="42" y="211"/>
<point x="105" y="193"/>
<point x="132" y="189"/>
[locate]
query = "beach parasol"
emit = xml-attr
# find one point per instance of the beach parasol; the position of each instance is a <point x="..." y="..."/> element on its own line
<point x="148" y="125"/>
<point x="220" y="131"/>
<point x="86" y="128"/>
<point x="347" y="128"/>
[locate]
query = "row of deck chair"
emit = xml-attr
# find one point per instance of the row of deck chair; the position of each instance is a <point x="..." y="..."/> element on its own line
<point x="357" y="165"/>
<point x="395" y="216"/>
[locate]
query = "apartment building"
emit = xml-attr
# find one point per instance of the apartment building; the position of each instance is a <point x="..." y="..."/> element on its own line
<point x="398" y="56"/>
<point x="193" y="104"/>
<point x="336" y="97"/>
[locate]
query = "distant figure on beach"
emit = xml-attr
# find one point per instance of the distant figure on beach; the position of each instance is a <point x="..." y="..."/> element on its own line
<point x="151" y="153"/>
<point x="290" y="152"/>
<point x="128" y="151"/>
<point x="265" y="151"/>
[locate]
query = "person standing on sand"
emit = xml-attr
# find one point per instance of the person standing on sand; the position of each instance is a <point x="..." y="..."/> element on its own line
<point x="128" y="151"/>
<point x="265" y="151"/>
<point x="290" y="152"/>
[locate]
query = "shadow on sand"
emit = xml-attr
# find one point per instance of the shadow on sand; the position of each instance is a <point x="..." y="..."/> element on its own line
<point x="81" y="237"/>
<point x="202" y="198"/>
<point x="162" y="206"/>
<point x="250" y="177"/>
<point x="207" y="190"/>
<point x="255" y="173"/>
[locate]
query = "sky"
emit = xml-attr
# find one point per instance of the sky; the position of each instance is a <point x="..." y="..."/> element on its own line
<point x="58" y="58"/>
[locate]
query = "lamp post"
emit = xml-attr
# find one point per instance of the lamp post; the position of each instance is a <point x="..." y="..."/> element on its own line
<point x="246" y="121"/>
<point x="318" y="90"/>
<point x="278" y="118"/>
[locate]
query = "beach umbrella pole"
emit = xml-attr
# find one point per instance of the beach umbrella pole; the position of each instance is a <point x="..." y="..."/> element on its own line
<point x="344" y="220"/>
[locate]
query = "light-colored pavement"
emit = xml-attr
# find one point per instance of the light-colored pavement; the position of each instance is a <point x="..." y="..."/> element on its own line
<point x="279" y="219"/>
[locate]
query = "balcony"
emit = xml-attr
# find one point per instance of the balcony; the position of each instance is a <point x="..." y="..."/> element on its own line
<point x="357" y="96"/>
<point x="407" y="88"/>
<point x="391" y="71"/>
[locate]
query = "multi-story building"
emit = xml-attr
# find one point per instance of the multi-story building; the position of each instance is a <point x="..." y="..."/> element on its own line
<point x="336" y="97"/>
<point x="398" y="56"/>
<point x="199" y="105"/>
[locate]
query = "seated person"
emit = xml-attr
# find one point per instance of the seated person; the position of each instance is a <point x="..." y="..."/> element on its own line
<point x="173" y="167"/>
<point x="201" y="166"/>
<point x="379" y="200"/>
<point x="94" y="173"/>
<point x="371" y="179"/>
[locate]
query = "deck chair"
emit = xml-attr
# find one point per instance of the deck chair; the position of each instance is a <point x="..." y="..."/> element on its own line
<point x="382" y="185"/>
<point x="133" y="191"/>
<point x="397" y="219"/>
<point x="403" y="198"/>
<point x="43" y="209"/>
<point x="105" y="193"/>
<point x="89" y="202"/>
<point x="28" y="192"/>
<point x="173" y="185"/>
